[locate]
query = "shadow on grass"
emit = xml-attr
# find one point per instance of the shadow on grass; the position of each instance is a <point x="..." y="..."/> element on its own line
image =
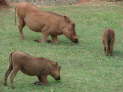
<point x="61" y="43"/>
<point x="67" y="43"/>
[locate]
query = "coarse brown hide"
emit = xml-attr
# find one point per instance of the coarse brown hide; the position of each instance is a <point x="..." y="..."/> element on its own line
<point x="33" y="66"/>
<point x="47" y="23"/>
<point x="108" y="41"/>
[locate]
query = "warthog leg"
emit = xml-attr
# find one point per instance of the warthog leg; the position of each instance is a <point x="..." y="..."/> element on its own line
<point x="37" y="83"/>
<point x="20" y="27"/>
<point x="54" y="38"/>
<point x="111" y="49"/>
<point x="42" y="80"/>
<point x="12" y="75"/>
<point x="107" y="51"/>
<point x="7" y="74"/>
<point x="104" y="49"/>
<point x="45" y="38"/>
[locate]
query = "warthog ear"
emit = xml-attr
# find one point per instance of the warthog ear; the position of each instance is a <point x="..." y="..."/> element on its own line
<point x="67" y="19"/>
<point x="73" y="25"/>
<point x="56" y="64"/>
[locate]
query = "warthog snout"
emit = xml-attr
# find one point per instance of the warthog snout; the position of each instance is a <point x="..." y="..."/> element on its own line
<point x="75" y="41"/>
<point x="58" y="78"/>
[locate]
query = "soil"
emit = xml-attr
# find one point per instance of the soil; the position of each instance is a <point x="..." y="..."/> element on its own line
<point x="83" y="1"/>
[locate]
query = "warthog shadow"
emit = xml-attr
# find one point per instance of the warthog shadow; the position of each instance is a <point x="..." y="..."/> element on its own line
<point x="118" y="54"/>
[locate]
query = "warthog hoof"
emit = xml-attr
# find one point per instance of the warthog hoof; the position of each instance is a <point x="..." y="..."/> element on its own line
<point x="37" y="83"/>
<point x="76" y="41"/>
<point x="37" y="41"/>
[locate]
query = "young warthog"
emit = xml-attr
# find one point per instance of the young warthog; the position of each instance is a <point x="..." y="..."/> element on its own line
<point x="108" y="41"/>
<point x="48" y="23"/>
<point x="33" y="66"/>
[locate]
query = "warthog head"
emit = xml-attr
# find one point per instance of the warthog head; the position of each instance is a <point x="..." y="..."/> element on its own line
<point x="69" y="30"/>
<point x="55" y="72"/>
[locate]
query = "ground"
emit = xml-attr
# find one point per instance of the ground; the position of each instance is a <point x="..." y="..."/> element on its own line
<point x="81" y="1"/>
<point x="85" y="68"/>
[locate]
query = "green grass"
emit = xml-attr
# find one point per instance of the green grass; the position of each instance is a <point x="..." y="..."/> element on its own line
<point x="85" y="68"/>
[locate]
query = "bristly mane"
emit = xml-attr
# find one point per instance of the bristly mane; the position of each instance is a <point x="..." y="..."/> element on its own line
<point x="66" y="18"/>
<point x="55" y="13"/>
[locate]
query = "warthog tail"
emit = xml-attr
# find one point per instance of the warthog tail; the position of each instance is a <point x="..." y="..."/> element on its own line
<point x="10" y="61"/>
<point x="8" y="70"/>
<point x="15" y="16"/>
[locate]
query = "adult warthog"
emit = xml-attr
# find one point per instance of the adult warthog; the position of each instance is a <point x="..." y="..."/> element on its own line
<point x="48" y="23"/>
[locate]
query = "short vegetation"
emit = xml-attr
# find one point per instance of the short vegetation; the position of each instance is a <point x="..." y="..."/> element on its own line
<point x="85" y="68"/>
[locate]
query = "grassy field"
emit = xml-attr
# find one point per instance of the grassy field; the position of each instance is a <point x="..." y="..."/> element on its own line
<point x="85" y="68"/>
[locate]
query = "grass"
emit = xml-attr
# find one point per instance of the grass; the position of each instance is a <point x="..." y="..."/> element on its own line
<point x="85" y="68"/>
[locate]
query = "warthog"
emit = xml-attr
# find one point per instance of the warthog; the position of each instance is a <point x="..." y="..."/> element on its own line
<point x="108" y="41"/>
<point x="48" y="23"/>
<point x="33" y="66"/>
